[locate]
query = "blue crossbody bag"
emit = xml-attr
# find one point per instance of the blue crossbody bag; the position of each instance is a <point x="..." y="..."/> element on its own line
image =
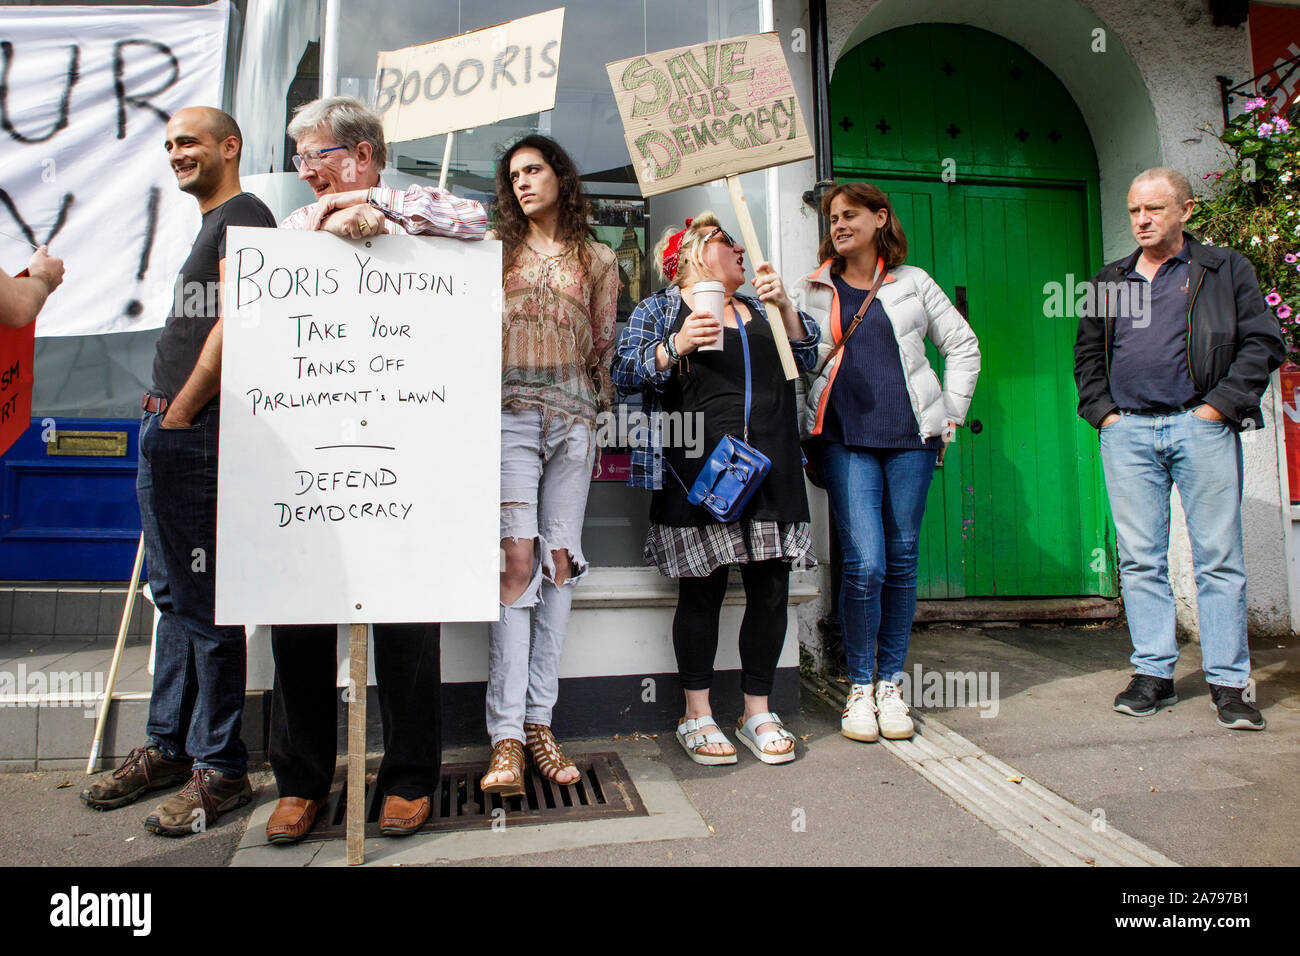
<point x="734" y="470"/>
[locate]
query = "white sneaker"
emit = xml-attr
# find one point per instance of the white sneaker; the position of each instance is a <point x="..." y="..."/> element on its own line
<point x="859" y="720"/>
<point x="894" y="722"/>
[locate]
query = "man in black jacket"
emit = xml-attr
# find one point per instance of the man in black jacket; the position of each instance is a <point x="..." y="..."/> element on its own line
<point x="1170" y="366"/>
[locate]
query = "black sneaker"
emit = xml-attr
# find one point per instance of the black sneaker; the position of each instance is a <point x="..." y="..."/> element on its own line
<point x="1234" y="713"/>
<point x="1144" y="694"/>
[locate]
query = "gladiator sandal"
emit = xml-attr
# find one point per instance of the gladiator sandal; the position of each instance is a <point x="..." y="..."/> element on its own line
<point x="546" y="754"/>
<point x="507" y="757"/>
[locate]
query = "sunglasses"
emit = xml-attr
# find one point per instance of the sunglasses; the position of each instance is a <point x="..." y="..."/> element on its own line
<point x="726" y="237"/>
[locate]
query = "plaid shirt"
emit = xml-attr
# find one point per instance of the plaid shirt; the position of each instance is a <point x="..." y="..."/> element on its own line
<point x="415" y="211"/>
<point x="634" y="371"/>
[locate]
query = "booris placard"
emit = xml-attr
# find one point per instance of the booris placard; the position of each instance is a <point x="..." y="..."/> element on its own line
<point x="702" y="112"/>
<point x="470" y="80"/>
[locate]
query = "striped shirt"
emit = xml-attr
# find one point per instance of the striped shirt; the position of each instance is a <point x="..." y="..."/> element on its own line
<point x="415" y="211"/>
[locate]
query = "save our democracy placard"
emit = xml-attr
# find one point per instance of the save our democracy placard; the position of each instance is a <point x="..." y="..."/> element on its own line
<point x="698" y="113"/>
<point x="470" y="80"/>
<point x="358" y="380"/>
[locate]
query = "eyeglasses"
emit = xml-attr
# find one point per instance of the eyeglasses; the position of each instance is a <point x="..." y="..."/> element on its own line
<point x="726" y="237"/>
<point x="312" y="157"/>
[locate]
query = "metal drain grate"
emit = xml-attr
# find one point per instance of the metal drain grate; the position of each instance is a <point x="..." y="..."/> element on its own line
<point x="603" y="791"/>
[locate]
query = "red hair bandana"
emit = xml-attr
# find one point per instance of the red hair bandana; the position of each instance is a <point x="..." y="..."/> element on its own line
<point x="672" y="250"/>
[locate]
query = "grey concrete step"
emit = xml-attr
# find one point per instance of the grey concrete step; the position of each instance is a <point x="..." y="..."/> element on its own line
<point x="50" y="693"/>
<point x="90" y="610"/>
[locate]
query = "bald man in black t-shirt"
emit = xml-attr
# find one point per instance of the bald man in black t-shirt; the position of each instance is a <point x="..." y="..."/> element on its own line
<point x="197" y="702"/>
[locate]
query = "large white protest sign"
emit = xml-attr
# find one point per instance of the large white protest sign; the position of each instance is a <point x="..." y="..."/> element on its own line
<point x="359" y="466"/>
<point x="698" y="113"/>
<point x="470" y="80"/>
<point x="88" y="92"/>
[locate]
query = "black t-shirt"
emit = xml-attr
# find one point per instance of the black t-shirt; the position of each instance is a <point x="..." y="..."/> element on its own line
<point x="195" y="300"/>
<point x="713" y="384"/>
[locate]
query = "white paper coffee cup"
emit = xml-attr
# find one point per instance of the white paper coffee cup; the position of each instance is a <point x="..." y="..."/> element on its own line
<point x="710" y="296"/>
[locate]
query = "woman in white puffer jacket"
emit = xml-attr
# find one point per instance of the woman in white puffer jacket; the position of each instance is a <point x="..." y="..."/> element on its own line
<point x="879" y="416"/>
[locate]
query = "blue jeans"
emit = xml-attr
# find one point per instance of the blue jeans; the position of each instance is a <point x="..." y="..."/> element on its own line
<point x="545" y="477"/>
<point x="1143" y="457"/>
<point x="197" y="702"/>
<point x="877" y="497"/>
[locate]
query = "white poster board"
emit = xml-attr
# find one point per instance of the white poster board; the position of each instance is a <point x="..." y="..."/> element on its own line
<point x="470" y="80"/>
<point x="359" y="459"/>
<point x="88" y="92"/>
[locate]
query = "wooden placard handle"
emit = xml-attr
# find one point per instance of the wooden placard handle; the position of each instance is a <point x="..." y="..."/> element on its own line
<point x="446" y="160"/>
<point x="98" y="742"/>
<point x="756" y="255"/>
<point x="357" y="668"/>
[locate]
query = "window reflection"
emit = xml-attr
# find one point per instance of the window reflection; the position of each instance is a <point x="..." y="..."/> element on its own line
<point x="279" y="38"/>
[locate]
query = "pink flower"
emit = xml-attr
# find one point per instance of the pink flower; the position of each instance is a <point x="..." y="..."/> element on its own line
<point x="1291" y="257"/>
<point x="1206" y="176"/>
<point x="1256" y="104"/>
<point x="1282" y="125"/>
<point x="1284" y="311"/>
<point x="1265" y="130"/>
<point x="1273" y="298"/>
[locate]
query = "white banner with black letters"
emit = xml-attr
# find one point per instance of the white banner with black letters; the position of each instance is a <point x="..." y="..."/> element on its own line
<point x="85" y="95"/>
<point x="359" y="468"/>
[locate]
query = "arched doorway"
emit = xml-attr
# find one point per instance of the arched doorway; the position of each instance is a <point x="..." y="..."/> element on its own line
<point x="993" y="176"/>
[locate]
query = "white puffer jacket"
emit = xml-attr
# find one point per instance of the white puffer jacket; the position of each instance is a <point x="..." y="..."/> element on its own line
<point x="917" y="309"/>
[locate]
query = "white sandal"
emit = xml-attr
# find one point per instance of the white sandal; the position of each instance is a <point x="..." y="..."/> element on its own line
<point x="693" y="740"/>
<point x="757" y="742"/>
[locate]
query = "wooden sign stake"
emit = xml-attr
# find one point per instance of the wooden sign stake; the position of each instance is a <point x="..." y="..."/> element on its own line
<point x="357" y="744"/>
<point x="98" y="742"/>
<point x="756" y="256"/>
<point x="446" y="160"/>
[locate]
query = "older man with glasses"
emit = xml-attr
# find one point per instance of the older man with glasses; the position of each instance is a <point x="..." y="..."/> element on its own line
<point x="340" y="154"/>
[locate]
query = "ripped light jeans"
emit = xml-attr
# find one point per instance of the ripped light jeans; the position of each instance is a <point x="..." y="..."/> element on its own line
<point x="545" y="476"/>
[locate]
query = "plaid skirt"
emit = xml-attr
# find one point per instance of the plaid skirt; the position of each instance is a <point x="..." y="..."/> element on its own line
<point x="698" y="552"/>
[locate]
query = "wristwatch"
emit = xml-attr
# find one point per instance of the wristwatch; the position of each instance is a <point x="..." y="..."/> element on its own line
<point x="673" y="357"/>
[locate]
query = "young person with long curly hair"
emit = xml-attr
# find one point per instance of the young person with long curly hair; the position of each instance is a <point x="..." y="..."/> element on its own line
<point x="560" y="293"/>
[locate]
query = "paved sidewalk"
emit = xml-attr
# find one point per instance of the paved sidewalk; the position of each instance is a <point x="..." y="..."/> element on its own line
<point x="1186" y="788"/>
<point x="1176" y="781"/>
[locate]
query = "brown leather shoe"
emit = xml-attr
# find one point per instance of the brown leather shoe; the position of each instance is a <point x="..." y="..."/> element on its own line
<point x="144" y="769"/>
<point x="198" y="805"/>
<point x="403" y="817"/>
<point x="292" y="819"/>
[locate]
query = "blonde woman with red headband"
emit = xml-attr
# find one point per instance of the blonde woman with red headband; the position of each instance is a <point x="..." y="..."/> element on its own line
<point x="687" y="359"/>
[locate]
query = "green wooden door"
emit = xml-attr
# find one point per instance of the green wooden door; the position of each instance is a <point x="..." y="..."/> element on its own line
<point x="1018" y="508"/>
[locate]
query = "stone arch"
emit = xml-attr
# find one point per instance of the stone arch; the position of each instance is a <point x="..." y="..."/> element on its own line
<point x="1107" y="87"/>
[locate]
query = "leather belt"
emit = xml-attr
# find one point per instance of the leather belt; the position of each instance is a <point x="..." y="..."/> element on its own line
<point x="153" y="404"/>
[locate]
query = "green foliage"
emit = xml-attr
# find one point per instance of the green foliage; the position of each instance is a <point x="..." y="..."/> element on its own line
<point x="1253" y="206"/>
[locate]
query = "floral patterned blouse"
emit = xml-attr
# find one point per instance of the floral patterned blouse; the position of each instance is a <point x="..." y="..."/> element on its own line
<point x="557" y="333"/>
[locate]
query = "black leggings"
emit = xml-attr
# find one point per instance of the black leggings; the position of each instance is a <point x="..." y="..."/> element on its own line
<point x="762" y="632"/>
